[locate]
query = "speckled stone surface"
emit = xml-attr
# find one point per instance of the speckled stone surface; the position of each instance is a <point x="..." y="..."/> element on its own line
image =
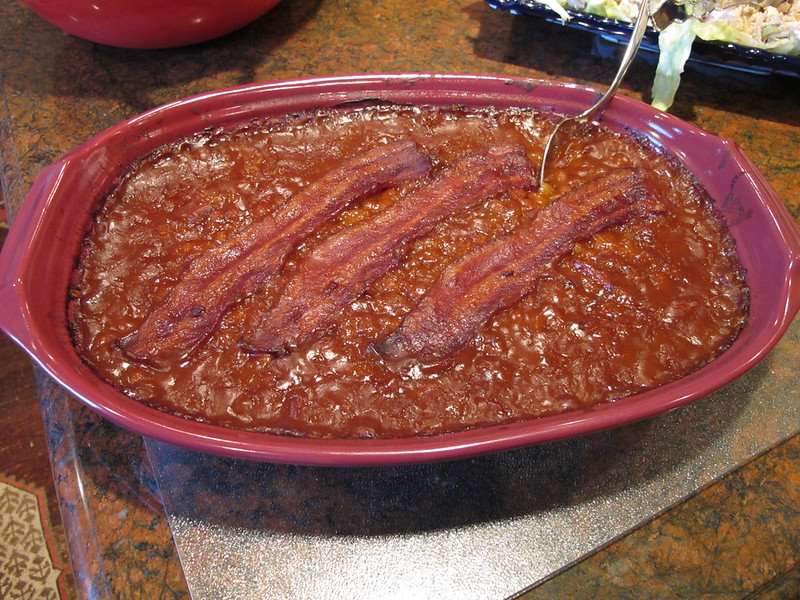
<point x="738" y="537"/>
<point x="481" y="528"/>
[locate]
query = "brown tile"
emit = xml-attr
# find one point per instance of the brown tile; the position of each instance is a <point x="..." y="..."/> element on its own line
<point x="23" y="449"/>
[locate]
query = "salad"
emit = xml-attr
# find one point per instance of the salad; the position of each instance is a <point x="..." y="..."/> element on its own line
<point x="772" y="25"/>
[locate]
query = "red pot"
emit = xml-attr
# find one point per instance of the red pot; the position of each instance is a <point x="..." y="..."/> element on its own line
<point x="41" y="250"/>
<point x="149" y="23"/>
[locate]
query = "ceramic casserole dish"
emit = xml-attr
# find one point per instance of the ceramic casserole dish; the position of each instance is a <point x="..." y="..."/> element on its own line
<point x="41" y="250"/>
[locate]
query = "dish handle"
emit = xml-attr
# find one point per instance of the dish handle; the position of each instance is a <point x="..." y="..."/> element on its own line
<point x="12" y="319"/>
<point x="793" y="303"/>
<point x="16" y="251"/>
<point x="787" y="226"/>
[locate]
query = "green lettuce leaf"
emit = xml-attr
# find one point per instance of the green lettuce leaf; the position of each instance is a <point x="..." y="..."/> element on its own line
<point x="607" y="8"/>
<point x="675" y="45"/>
<point x="554" y="5"/>
<point x="724" y="32"/>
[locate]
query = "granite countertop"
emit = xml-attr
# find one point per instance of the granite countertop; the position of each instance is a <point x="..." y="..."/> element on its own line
<point x="739" y="536"/>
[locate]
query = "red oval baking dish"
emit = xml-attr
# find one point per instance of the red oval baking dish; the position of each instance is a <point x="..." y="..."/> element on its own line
<point x="41" y="249"/>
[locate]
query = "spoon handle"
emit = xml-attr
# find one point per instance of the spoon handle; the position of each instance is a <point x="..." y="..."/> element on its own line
<point x="639" y="27"/>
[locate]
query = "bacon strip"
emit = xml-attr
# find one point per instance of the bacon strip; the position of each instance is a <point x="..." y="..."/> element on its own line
<point x="344" y="266"/>
<point x="499" y="274"/>
<point x="214" y="282"/>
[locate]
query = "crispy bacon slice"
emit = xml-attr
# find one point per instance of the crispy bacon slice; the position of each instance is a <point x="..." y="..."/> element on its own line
<point x="499" y="274"/>
<point x="193" y="308"/>
<point x="344" y="266"/>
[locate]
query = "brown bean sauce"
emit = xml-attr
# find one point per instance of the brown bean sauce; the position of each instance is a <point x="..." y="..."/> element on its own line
<point x="637" y="306"/>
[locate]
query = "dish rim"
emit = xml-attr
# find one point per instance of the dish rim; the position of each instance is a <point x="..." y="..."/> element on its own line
<point x="27" y="323"/>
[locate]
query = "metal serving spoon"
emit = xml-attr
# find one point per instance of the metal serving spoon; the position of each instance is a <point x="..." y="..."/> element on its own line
<point x="662" y="18"/>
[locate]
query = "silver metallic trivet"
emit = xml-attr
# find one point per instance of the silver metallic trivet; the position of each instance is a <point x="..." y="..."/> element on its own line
<point x="482" y="528"/>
